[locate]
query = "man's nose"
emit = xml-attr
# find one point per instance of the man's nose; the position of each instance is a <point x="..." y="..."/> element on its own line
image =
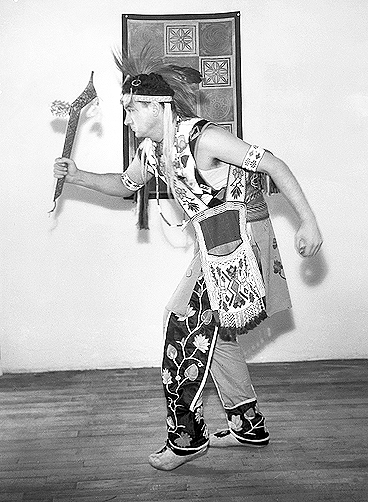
<point x="127" y="120"/>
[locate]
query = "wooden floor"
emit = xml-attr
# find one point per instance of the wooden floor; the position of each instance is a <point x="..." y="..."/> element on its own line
<point x="85" y="436"/>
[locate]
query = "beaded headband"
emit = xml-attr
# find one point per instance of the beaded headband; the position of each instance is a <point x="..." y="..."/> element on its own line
<point x="159" y="99"/>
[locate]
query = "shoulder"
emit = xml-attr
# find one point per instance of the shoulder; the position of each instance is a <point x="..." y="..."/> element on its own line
<point x="217" y="145"/>
<point x="213" y="136"/>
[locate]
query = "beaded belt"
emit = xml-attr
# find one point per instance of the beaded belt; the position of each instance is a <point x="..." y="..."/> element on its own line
<point x="257" y="209"/>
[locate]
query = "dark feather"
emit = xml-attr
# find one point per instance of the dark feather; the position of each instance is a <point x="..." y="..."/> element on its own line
<point x="189" y="74"/>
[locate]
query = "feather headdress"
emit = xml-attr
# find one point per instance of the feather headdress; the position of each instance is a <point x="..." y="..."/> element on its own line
<point x="140" y="79"/>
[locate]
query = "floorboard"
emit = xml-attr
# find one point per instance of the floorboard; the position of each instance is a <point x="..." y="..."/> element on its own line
<point x="85" y="437"/>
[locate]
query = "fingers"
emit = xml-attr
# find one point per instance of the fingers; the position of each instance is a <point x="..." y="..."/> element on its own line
<point x="63" y="160"/>
<point x="308" y="240"/>
<point x="301" y="247"/>
<point x="61" y="167"/>
<point x="317" y="248"/>
<point x="308" y="251"/>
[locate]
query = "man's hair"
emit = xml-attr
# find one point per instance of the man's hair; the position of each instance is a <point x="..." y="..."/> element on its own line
<point x="151" y="84"/>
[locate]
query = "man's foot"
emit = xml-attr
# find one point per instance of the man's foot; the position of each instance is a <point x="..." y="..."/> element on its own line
<point x="255" y="435"/>
<point x="167" y="460"/>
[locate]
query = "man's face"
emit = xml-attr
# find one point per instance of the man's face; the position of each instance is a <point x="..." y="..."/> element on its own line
<point x="142" y="119"/>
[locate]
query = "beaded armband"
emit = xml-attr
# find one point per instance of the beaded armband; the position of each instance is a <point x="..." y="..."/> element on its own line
<point x="253" y="158"/>
<point x="129" y="183"/>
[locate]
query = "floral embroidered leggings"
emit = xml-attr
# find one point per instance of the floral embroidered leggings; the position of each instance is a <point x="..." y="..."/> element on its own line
<point x="191" y="350"/>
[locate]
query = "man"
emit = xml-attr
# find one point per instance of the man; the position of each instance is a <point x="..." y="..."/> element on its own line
<point x="236" y="277"/>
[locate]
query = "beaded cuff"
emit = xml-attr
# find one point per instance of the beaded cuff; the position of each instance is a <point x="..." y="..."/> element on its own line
<point x="253" y="158"/>
<point x="129" y="183"/>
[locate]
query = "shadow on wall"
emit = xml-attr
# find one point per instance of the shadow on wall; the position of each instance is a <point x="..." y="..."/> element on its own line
<point x="267" y="332"/>
<point x="59" y="123"/>
<point x="312" y="272"/>
<point x="72" y="192"/>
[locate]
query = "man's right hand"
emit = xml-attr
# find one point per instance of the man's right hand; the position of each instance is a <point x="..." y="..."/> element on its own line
<point x="65" y="167"/>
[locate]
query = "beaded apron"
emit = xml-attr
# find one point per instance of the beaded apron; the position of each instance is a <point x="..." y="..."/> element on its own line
<point x="234" y="283"/>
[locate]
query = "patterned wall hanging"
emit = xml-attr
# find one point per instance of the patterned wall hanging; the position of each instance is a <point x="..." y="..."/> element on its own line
<point x="208" y="42"/>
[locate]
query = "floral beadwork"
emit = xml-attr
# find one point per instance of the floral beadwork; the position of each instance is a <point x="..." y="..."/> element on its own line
<point x="185" y="368"/>
<point x="237" y="185"/>
<point x="278" y="268"/>
<point x="188" y="201"/>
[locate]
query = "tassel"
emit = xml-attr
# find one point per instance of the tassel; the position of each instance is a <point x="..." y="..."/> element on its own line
<point x="143" y="198"/>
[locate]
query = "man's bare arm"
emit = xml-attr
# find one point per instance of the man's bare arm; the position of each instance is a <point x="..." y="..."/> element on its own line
<point x="308" y="238"/>
<point x="109" y="183"/>
<point x="216" y="144"/>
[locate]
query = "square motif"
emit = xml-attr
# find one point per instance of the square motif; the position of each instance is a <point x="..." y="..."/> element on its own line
<point x="217" y="104"/>
<point x="181" y="39"/>
<point x="216" y="38"/>
<point x="216" y="72"/>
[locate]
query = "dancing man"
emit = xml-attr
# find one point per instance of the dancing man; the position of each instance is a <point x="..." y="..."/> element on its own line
<point x="236" y="278"/>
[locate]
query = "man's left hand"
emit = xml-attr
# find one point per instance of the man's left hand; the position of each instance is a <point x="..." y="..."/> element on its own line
<point x="308" y="239"/>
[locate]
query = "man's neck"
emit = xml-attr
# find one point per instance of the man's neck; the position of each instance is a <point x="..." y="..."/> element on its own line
<point x="158" y="136"/>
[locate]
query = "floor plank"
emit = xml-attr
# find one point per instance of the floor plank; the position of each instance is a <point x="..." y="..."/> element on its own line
<point x="85" y="436"/>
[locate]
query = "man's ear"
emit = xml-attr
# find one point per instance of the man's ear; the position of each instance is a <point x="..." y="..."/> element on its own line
<point x="155" y="108"/>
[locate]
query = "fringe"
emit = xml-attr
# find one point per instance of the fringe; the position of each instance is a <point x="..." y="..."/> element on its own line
<point x="230" y="334"/>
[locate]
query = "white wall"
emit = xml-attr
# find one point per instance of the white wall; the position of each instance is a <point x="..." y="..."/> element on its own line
<point x="85" y="289"/>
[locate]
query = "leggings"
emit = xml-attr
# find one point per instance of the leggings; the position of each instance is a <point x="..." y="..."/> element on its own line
<point x="192" y="349"/>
